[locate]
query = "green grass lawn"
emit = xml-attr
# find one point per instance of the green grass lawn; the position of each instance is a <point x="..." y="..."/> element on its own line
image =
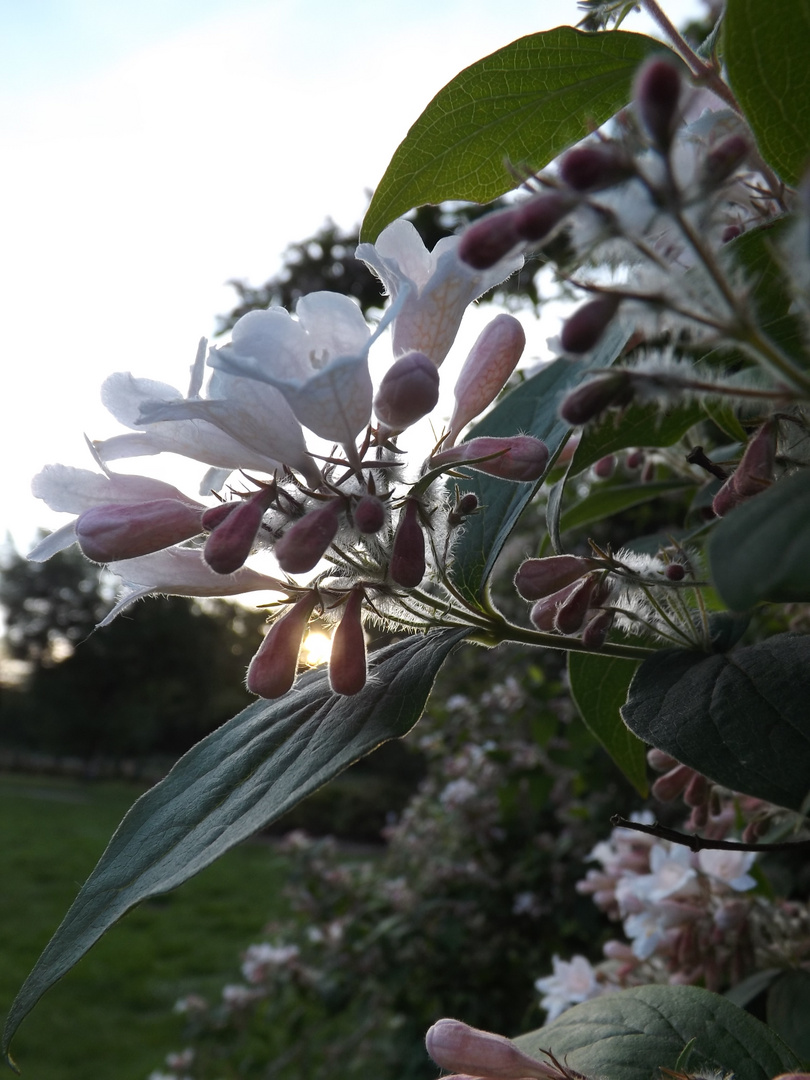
<point x="111" y="1017"/>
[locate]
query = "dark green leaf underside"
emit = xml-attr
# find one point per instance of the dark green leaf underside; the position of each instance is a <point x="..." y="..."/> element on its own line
<point x="237" y="780"/>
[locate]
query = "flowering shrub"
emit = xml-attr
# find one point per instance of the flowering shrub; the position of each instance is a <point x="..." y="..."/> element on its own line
<point x="683" y="227"/>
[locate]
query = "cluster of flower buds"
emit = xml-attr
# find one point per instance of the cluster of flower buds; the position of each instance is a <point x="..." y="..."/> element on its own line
<point x="368" y="532"/>
<point x="569" y="594"/>
<point x="754" y="473"/>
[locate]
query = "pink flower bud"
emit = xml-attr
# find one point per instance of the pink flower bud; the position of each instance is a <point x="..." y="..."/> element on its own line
<point x="724" y="158"/>
<point x="675" y="571"/>
<point x="232" y="540"/>
<point x="128" y="530"/>
<point x="302" y="547"/>
<point x="595" y="395"/>
<point x="544" y="611"/>
<point x="465" y="506"/>
<point x="520" y="458"/>
<point x="215" y="515"/>
<point x="535" y="219"/>
<point x="491" y="361"/>
<point x="488" y="240"/>
<point x="726" y="498"/>
<point x="755" y="471"/>
<point x="272" y="670"/>
<point x="597" y="629"/>
<point x="585" y="327"/>
<point x="408" y="553"/>
<point x="463" y="1049"/>
<point x="595" y="167"/>
<point x="409" y="390"/>
<point x="537" y="578"/>
<point x="369" y="514"/>
<point x="635" y="459"/>
<point x="573" y="611"/>
<point x="671" y="784"/>
<point x="697" y="791"/>
<point x="656" y="93"/>
<point x="605" y="467"/>
<point x="347" y="660"/>
<point x="660" y="761"/>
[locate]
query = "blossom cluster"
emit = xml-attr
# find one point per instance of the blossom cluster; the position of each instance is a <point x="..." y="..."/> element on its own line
<point x="305" y="463"/>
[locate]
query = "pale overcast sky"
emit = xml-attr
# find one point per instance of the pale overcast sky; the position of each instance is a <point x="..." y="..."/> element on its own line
<point x="152" y="149"/>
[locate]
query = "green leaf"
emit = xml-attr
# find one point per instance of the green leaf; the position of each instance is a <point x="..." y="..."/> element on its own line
<point x="637" y="426"/>
<point x="523" y="104"/>
<point x="740" y="718"/>
<point x="630" y="1035"/>
<point x="722" y="414"/>
<point x="606" y="500"/>
<point x="531" y="409"/>
<point x="761" y="549"/>
<point x="766" y="54"/>
<point x="237" y="780"/>
<point x="788" y="1009"/>
<point x="599" y="686"/>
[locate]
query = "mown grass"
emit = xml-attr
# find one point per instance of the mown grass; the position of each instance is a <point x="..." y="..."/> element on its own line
<point x="111" y="1017"/>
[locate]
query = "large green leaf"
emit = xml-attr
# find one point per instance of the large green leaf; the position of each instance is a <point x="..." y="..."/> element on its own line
<point x="630" y="1035"/>
<point x="523" y="104"/>
<point x="531" y="409"/>
<point x="766" y="54"/>
<point x="599" y="686"/>
<point x="237" y="780"/>
<point x="637" y="426"/>
<point x="788" y="1009"/>
<point x="741" y="718"/>
<point x="761" y="549"/>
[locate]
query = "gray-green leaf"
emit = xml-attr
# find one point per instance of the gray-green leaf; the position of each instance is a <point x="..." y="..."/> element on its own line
<point x="630" y="1035"/>
<point x="237" y="780"/>
<point x="741" y="718"/>
<point x="523" y="104"/>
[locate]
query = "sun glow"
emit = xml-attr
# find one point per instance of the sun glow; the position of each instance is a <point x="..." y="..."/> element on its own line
<point x="316" y="648"/>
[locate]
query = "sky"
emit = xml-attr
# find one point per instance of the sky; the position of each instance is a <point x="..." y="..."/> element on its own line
<point x="154" y="149"/>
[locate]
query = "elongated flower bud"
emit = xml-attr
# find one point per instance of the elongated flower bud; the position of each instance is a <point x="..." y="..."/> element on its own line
<point x="347" y="660"/>
<point x="573" y="611"/>
<point x="468" y="1050"/>
<point x="215" y="515"/>
<point x="656" y="94"/>
<point x="408" y="553"/>
<point x="520" y="458"/>
<point x="585" y="327"/>
<point x="302" y="547"/>
<point x="595" y="395"/>
<point x="369" y="514"/>
<point x="755" y="471"/>
<point x="408" y="391"/>
<point x="535" y="219"/>
<point x="597" y="629"/>
<point x="491" y="361"/>
<point x="272" y="670"/>
<point x="486" y="241"/>
<point x="230" y="543"/>
<point x="128" y="530"/>
<point x="544" y="611"/>
<point x="537" y="578"/>
<point x="723" y="159"/>
<point x="595" y="167"/>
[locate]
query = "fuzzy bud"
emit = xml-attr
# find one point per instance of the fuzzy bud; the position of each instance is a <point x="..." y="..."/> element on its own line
<point x="657" y="93"/>
<point x="595" y="395"/>
<point x="491" y="361"/>
<point x="465" y="506"/>
<point x="272" y="670"/>
<point x="585" y="327"/>
<point x="347" y="660"/>
<point x="755" y="471"/>
<point x="660" y="761"/>
<point x="536" y="218"/>
<point x="408" y="553"/>
<point x="521" y="458"/>
<point x="544" y="611"/>
<point x="594" y="167"/>
<point x="463" y="1049"/>
<point x="302" y="547"/>
<point x="488" y="240"/>
<point x="369" y="514"/>
<point x="230" y="543"/>
<point x="537" y="578"/>
<point x="675" y="571"/>
<point x="215" y="515"/>
<point x="129" y="530"/>
<point x="573" y="611"/>
<point x="723" y="159"/>
<point x="671" y="784"/>
<point x="408" y="391"/>
<point x="597" y="629"/>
